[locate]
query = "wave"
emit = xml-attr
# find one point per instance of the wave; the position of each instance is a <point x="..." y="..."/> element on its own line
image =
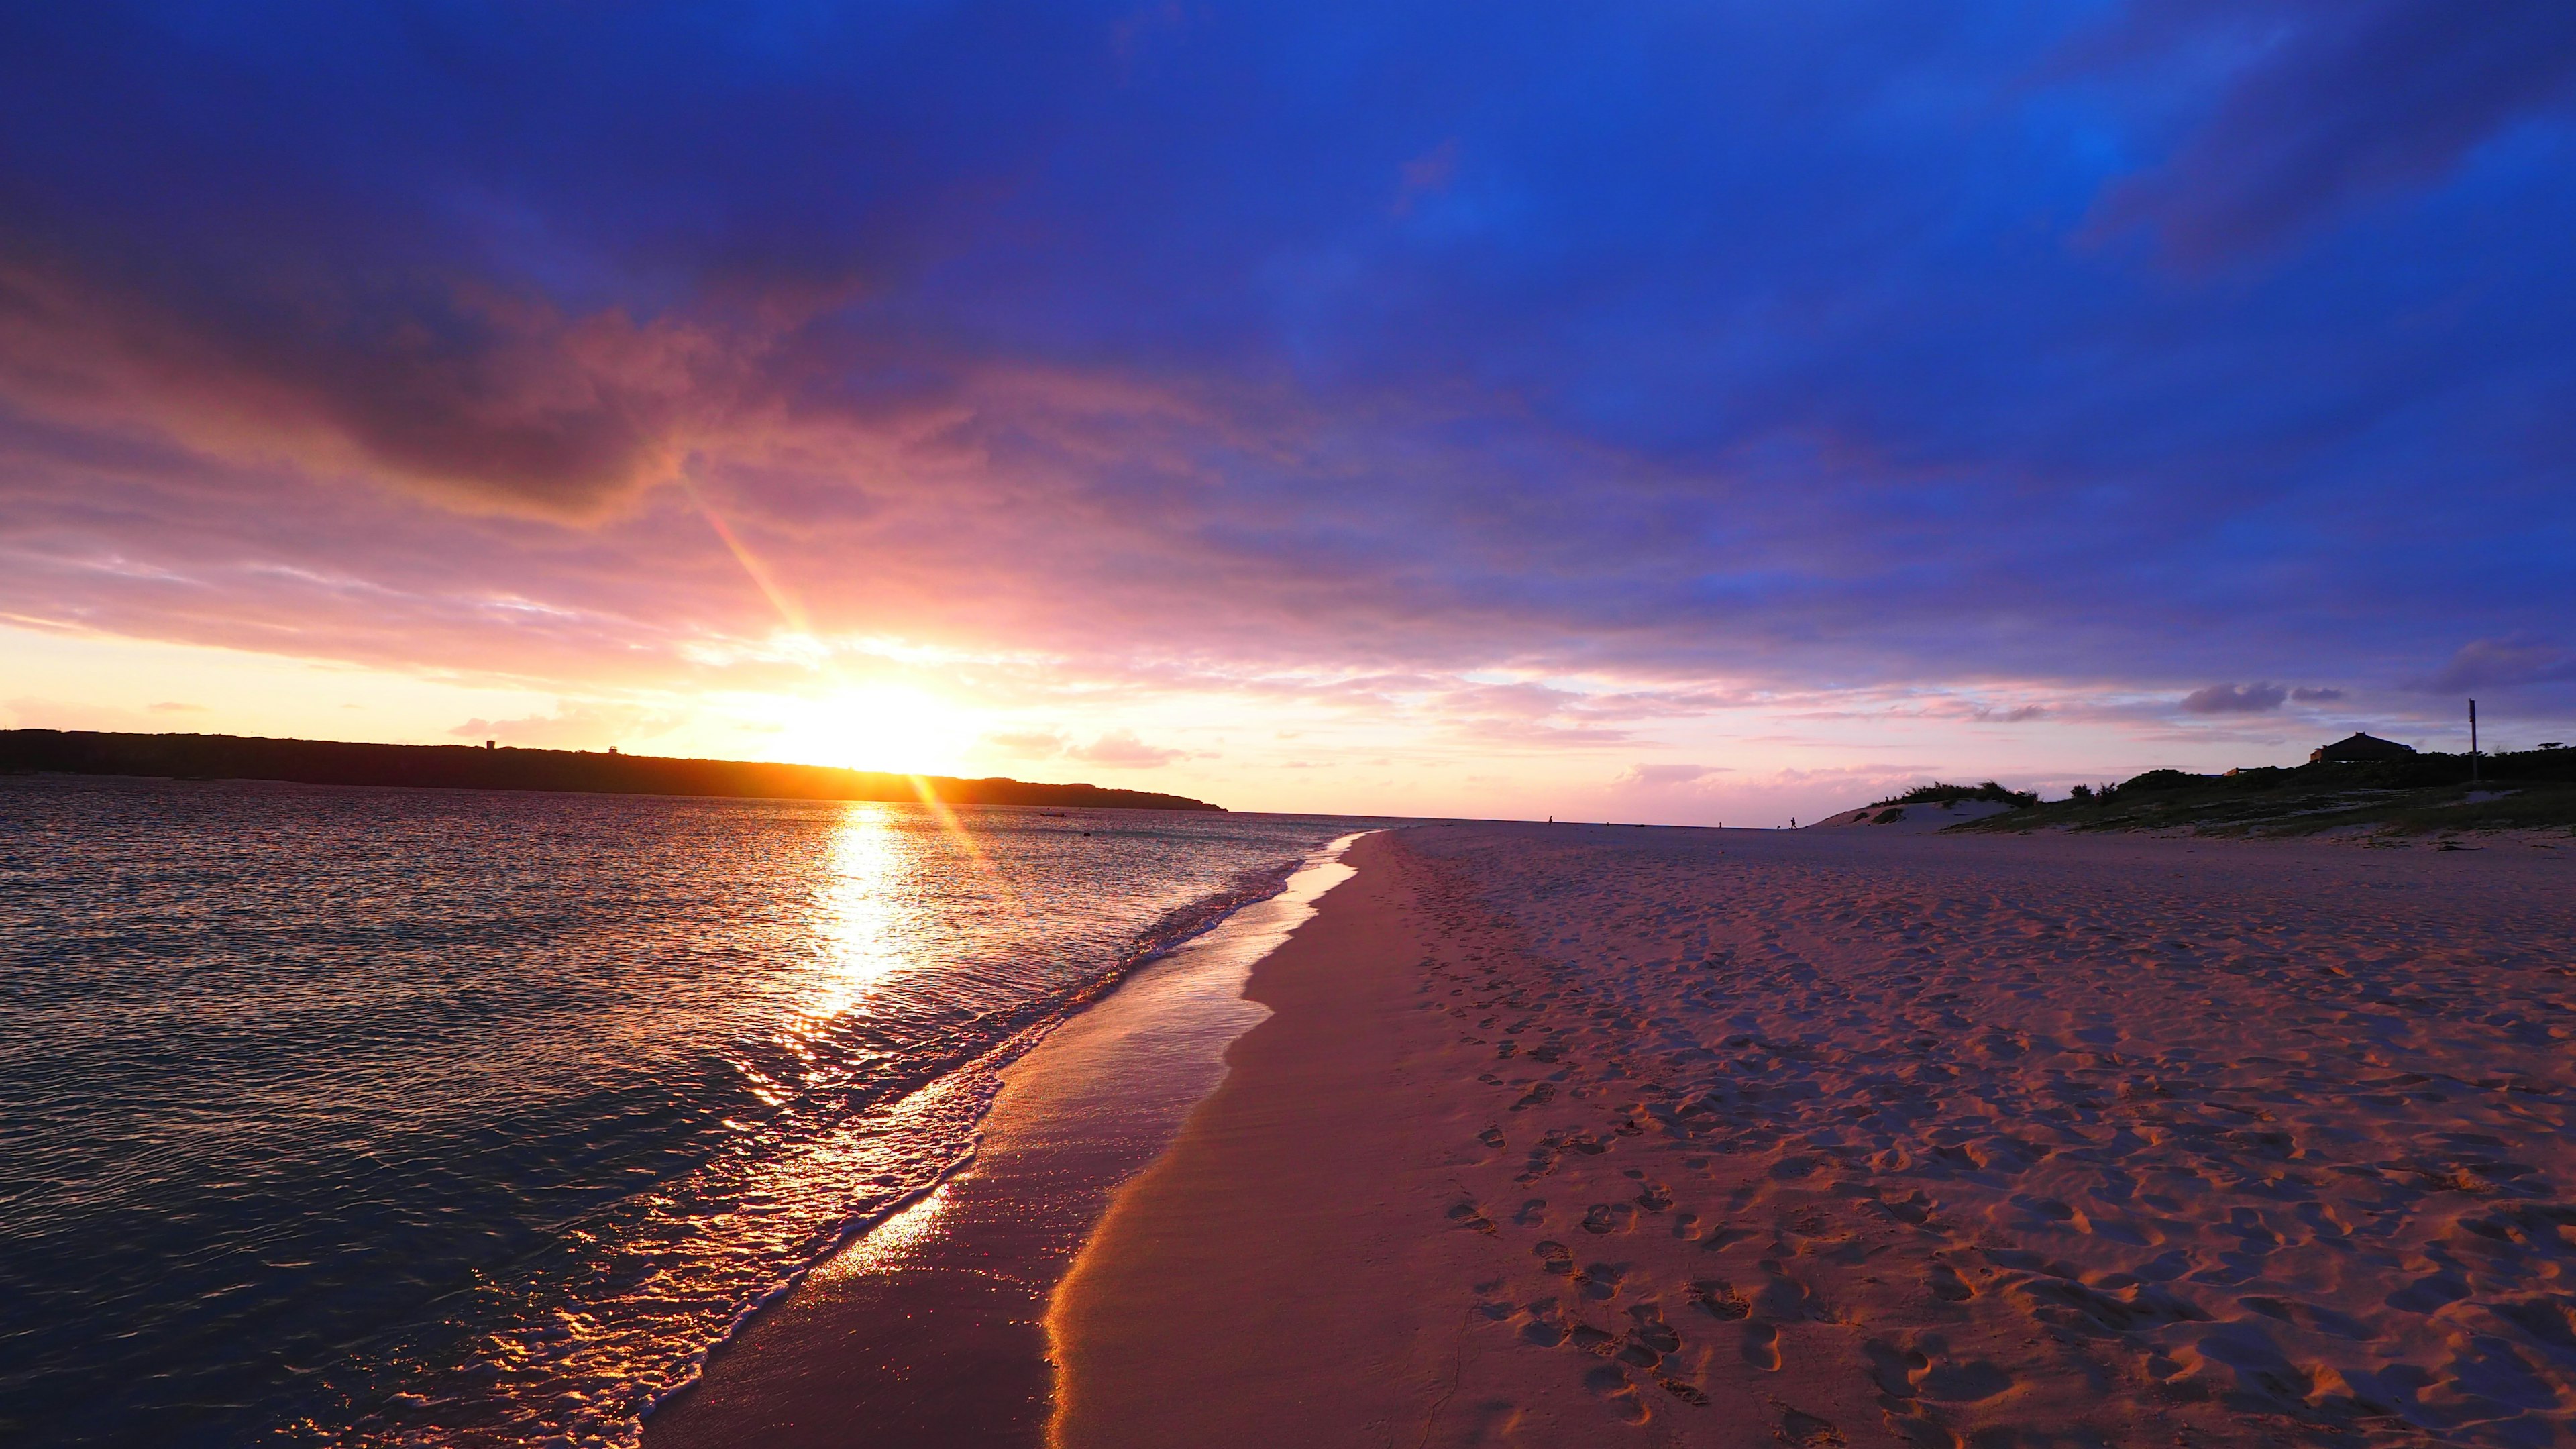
<point x="623" y="1307"/>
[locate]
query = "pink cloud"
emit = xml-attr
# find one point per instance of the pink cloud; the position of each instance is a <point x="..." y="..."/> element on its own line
<point x="1028" y="744"/>
<point x="1120" y="749"/>
<point x="1666" y="776"/>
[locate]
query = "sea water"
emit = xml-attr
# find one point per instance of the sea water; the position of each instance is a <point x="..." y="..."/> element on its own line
<point x="378" y="1116"/>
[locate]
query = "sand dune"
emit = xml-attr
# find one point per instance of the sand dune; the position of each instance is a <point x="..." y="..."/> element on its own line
<point x="1914" y="819"/>
<point x="1582" y="1136"/>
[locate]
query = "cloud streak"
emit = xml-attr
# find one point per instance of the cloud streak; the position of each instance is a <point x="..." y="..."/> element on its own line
<point x="2504" y="663"/>
<point x="2328" y="105"/>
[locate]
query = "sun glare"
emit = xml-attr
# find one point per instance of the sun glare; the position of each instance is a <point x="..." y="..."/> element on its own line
<point x="878" y="727"/>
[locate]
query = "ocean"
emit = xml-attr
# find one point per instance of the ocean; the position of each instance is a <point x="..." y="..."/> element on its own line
<point x="337" y="1116"/>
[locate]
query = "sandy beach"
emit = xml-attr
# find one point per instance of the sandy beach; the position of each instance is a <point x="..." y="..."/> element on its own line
<point x="1587" y="1135"/>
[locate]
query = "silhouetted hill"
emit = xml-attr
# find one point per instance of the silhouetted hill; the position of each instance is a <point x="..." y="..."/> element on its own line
<point x="464" y="767"/>
<point x="2412" y="795"/>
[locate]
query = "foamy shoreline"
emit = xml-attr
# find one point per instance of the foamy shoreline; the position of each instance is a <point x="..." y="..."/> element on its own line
<point x="925" y="1327"/>
<point x="1574" y="1135"/>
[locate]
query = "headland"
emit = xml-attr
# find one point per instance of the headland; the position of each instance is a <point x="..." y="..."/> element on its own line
<point x="466" y="767"/>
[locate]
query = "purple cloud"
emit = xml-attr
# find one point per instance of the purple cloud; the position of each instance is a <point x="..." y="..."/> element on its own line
<point x="1364" y="357"/>
<point x="2326" y="104"/>
<point x="2502" y="664"/>
<point x="2230" y="699"/>
<point x="457" y="389"/>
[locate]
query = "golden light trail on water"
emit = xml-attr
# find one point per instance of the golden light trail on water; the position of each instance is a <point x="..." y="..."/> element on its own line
<point x="867" y="937"/>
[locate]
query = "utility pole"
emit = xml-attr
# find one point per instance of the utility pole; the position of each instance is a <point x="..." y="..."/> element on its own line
<point x="2473" y="742"/>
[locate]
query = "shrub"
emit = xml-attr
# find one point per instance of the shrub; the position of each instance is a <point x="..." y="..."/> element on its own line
<point x="2155" y="780"/>
<point x="1938" y="793"/>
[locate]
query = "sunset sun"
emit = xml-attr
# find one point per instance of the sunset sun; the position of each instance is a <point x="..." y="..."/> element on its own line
<point x="877" y="727"/>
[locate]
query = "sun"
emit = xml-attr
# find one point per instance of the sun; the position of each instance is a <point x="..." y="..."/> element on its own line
<point x="888" y="727"/>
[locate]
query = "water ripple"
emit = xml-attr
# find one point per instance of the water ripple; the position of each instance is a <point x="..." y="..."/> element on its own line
<point x="348" y="1116"/>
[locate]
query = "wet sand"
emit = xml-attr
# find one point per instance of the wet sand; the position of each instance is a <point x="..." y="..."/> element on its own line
<point x="1581" y="1135"/>
<point x="928" y="1330"/>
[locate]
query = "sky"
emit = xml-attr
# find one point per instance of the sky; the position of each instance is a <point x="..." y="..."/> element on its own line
<point x="1696" y="413"/>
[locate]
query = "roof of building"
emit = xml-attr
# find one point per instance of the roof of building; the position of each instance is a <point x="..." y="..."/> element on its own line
<point x="2360" y="746"/>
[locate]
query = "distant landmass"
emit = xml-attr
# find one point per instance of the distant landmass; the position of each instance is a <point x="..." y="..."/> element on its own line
<point x="2356" y="784"/>
<point x="466" y="767"/>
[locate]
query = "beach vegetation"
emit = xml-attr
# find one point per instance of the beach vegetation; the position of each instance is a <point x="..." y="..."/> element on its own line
<point x="2427" y="794"/>
<point x="1940" y="793"/>
<point x="2155" y="780"/>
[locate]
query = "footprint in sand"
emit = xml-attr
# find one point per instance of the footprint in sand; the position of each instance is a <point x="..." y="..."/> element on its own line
<point x="1948" y="1286"/>
<point x="1687" y="1392"/>
<point x="1611" y="1383"/>
<point x="1602" y="1280"/>
<point x="1492" y="1137"/>
<point x="1720" y="1299"/>
<point x="1585" y="1143"/>
<point x="1652" y="1339"/>
<point x="1806" y="1431"/>
<point x="1542" y="1331"/>
<point x="1468" y="1215"/>
<point x="1762" y="1347"/>
<point x="1893" y="1369"/>
<point x="1960" y="1383"/>
<point x="1917" y="1427"/>
<point x="1720" y="1238"/>
<point x="1610" y="1217"/>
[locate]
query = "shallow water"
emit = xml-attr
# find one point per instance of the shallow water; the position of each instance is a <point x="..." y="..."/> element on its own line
<point x="934" y="1326"/>
<point x="385" y="1116"/>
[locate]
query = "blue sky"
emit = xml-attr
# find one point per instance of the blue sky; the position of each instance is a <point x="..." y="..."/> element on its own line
<point x="1546" y="402"/>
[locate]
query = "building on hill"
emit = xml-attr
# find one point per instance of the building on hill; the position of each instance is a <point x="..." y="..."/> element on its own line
<point x="2357" y="748"/>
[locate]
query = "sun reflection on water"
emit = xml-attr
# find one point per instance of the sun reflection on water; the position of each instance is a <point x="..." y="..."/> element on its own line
<point x="856" y="917"/>
<point x="859" y="932"/>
